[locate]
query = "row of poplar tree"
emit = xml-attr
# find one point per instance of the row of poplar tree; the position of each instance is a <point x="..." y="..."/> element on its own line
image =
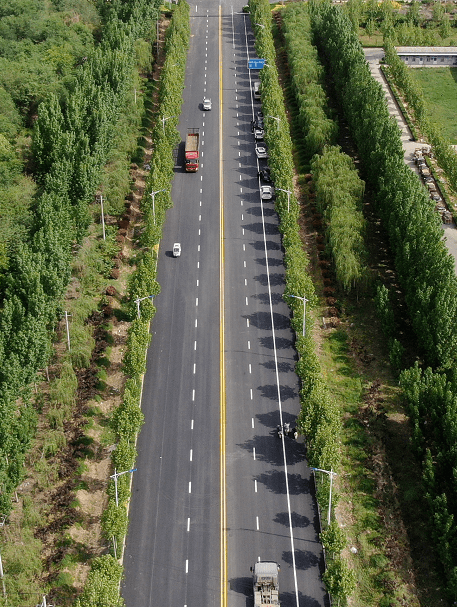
<point x="424" y="268"/>
<point x="71" y="143"/>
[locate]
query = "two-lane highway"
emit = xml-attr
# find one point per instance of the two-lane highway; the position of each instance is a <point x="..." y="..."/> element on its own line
<point x="215" y="488"/>
<point x="272" y="513"/>
<point x="172" y="554"/>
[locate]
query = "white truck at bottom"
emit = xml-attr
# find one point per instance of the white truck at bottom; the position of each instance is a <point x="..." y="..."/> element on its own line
<point x="265" y="584"/>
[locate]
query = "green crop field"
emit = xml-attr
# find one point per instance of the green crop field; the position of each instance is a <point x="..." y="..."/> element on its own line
<point x="440" y="90"/>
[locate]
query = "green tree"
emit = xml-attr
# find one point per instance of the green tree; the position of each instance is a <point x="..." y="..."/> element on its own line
<point x="413" y="13"/>
<point x="340" y="580"/>
<point x="333" y="539"/>
<point x="102" y="586"/>
<point x="445" y="28"/>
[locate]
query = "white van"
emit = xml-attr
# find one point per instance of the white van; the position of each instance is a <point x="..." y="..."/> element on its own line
<point x="256" y="89"/>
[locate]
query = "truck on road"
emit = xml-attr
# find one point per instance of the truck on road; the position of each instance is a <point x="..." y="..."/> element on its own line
<point x="265" y="584"/>
<point x="192" y="150"/>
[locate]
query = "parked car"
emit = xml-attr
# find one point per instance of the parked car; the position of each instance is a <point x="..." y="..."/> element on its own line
<point x="260" y="151"/>
<point x="177" y="249"/>
<point x="266" y="192"/>
<point x="206" y="103"/>
<point x="258" y="134"/>
<point x="264" y="175"/>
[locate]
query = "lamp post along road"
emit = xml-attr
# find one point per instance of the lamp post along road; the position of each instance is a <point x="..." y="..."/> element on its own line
<point x="288" y="192"/>
<point x="278" y="120"/>
<point x="103" y="217"/>
<point x="330" y="473"/>
<point x="68" y="329"/>
<point x="153" y="194"/>
<point x="116" y="475"/>
<point x="137" y="301"/>
<point x="164" y="120"/>
<point x="304" y="300"/>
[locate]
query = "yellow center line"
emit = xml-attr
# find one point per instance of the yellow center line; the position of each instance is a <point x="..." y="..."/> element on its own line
<point x="223" y="505"/>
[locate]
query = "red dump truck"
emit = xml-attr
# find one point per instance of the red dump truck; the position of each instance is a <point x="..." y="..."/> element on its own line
<point x="192" y="150"/>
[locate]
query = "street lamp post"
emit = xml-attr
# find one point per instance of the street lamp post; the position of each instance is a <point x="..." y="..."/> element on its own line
<point x="116" y="475"/>
<point x="278" y="120"/>
<point x="288" y="192"/>
<point x="137" y="301"/>
<point x="331" y="474"/>
<point x="164" y="120"/>
<point x="153" y="194"/>
<point x="67" y="315"/>
<point x="304" y="300"/>
<point x="260" y="25"/>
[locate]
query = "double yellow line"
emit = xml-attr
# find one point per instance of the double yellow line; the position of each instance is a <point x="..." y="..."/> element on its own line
<point x="223" y="496"/>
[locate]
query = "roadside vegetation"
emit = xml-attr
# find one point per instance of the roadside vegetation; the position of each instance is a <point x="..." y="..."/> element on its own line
<point x="320" y="418"/>
<point x="430" y="23"/>
<point x="376" y="493"/>
<point x="421" y="114"/>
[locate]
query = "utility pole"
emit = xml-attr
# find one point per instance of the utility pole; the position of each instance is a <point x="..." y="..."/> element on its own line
<point x="304" y="300"/>
<point x="103" y="214"/>
<point x="137" y="301"/>
<point x="116" y="476"/>
<point x="3" y="580"/>
<point x="278" y="120"/>
<point x="164" y="120"/>
<point x="330" y="473"/>
<point x="68" y="329"/>
<point x="153" y="194"/>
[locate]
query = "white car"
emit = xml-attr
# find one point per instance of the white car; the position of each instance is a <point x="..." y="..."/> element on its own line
<point x="258" y="133"/>
<point x="206" y="103"/>
<point x="177" y="249"/>
<point x="266" y="192"/>
<point x="261" y="151"/>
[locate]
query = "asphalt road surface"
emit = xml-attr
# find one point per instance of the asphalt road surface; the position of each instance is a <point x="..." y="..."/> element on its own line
<point x="192" y="538"/>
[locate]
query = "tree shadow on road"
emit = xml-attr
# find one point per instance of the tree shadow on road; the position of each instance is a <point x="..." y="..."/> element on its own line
<point x="271" y="245"/>
<point x="288" y="600"/>
<point x="298" y="520"/>
<point x="256" y="211"/>
<point x="271" y="392"/>
<point x="276" y="279"/>
<point x="281" y="343"/>
<point x="304" y="559"/>
<point x="264" y="298"/>
<point x="257" y="228"/>
<point x="283" y="367"/>
<point x="272" y="261"/>
<point x="275" y="481"/>
<point x="262" y="320"/>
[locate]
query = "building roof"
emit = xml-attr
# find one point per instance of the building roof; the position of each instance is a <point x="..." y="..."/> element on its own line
<point x="426" y="50"/>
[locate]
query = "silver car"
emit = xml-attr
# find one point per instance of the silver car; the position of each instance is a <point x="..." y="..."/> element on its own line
<point x="266" y="192"/>
<point x="261" y="151"/>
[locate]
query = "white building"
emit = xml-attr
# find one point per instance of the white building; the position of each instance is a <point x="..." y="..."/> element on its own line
<point x="428" y="56"/>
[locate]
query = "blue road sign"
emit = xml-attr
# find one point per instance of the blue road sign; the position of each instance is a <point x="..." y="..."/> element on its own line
<point x="256" y="64"/>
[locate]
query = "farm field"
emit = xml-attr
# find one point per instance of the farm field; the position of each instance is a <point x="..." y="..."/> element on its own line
<point x="440" y="90"/>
